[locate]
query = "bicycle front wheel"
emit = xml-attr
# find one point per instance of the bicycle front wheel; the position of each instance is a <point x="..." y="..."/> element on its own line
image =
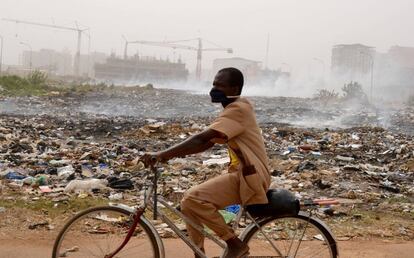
<point x="297" y="236"/>
<point x="98" y="231"/>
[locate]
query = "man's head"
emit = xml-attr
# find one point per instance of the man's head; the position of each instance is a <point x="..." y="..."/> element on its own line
<point x="229" y="80"/>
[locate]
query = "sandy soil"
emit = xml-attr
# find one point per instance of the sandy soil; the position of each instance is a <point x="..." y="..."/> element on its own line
<point x="40" y="247"/>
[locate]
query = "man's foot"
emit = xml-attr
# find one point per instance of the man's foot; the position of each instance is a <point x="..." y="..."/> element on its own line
<point x="236" y="248"/>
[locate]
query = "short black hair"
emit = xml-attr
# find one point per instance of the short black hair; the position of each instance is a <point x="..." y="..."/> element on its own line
<point x="235" y="77"/>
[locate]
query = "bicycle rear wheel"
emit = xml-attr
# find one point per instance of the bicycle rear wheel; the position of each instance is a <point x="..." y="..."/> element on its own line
<point x="297" y="236"/>
<point x="98" y="231"/>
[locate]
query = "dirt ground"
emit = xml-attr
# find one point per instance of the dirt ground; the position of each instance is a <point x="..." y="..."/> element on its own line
<point x="41" y="246"/>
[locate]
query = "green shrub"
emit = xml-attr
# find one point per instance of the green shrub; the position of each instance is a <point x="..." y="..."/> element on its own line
<point x="33" y="84"/>
<point x="37" y="78"/>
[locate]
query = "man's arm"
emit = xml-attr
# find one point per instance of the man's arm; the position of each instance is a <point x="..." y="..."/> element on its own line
<point x="195" y="144"/>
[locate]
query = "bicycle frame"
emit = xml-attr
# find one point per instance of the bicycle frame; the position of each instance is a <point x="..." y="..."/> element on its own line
<point x="151" y="199"/>
<point x="149" y="202"/>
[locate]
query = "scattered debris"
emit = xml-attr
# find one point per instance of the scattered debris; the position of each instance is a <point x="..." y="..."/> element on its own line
<point x="38" y="224"/>
<point x="55" y="156"/>
<point x="88" y="185"/>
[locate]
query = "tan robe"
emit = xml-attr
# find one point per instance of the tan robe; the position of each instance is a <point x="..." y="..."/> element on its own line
<point x="238" y="122"/>
<point x="202" y="202"/>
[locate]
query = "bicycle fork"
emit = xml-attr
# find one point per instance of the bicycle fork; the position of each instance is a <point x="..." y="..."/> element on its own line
<point x="136" y="216"/>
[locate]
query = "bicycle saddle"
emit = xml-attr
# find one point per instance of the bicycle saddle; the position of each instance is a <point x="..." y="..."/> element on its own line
<point x="281" y="203"/>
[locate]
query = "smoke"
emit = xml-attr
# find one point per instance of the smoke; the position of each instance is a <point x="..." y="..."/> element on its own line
<point x="285" y="100"/>
<point x="393" y="86"/>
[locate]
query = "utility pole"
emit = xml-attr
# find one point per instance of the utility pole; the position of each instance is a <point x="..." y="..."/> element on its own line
<point x="372" y="74"/>
<point x="77" y="56"/>
<point x="125" y="48"/>
<point x="372" y="78"/>
<point x="199" y="54"/>
<point x="1" y="54"/>
<point x="31" y="51"/>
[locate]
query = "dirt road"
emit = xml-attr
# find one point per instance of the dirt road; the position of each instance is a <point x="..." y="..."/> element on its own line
<point x="41" y="248"/>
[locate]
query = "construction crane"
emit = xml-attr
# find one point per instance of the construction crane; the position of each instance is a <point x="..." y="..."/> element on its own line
<point x="77" y="29"/>
<point x="174" y="45"/>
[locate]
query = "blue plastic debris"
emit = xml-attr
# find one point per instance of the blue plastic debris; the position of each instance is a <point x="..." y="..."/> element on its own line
<point x="233" y="208"/>
<point x="14" y="176"/>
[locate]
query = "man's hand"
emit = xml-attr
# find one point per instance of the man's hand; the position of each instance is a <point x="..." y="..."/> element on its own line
<point x="151" y="158"/>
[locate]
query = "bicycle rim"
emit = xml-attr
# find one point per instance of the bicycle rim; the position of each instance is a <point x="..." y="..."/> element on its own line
<point x="293" y="237"/>
<point x="97" y="232"/>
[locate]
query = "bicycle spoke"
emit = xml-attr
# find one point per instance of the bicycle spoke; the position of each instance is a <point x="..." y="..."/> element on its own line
<point x="293" y="236"/>
<point x="315" y="253"/>
<point x="101" y="231"/>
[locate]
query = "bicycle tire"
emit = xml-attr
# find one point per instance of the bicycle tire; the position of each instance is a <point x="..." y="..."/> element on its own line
<point x="251" y="230"/>
<point x="143" y="224"/>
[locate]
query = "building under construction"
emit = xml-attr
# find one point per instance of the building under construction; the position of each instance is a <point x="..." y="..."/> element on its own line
<point x="251" y="69"/>
<point x="353" y="61"/>
<point x="140" y="69"/>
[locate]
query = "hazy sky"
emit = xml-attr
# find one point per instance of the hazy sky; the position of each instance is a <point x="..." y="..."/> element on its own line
<point x="300" y="30"/>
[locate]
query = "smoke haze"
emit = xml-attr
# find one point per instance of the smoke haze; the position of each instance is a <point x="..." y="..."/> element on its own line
<point x="301" y="35"/>
<point x="299" y="30"/>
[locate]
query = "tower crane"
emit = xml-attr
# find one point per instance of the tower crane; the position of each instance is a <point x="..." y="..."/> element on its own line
<point x="174" y="45"/>
<point x="77" y="29"/>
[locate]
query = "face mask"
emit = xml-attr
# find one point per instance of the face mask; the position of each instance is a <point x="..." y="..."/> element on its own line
<point x="217" y="96"/>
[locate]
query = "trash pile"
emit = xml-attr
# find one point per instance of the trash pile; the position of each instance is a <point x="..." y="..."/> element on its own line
<point x="43" y="152"/>
<point x="94" y="155"/>
<point x="363" y="163"/>
<point x="50" y="155"/>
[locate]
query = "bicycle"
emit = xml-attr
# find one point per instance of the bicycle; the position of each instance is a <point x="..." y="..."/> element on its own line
<point x="278" y="229"/>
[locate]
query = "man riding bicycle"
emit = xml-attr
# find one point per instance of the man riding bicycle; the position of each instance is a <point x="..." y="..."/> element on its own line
<point x="248" y="178"/>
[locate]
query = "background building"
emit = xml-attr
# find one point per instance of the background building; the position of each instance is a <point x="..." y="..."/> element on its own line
<point x="49" y="60"/>
<point x="392" y="71"/>
<point x="87" y="63"/>
<point x="139" y="69"/>
<point x="402" y="56"/>
<point x="59" y="63"/>
<point x="251" y="69"/>
<point x="352" y="62"/>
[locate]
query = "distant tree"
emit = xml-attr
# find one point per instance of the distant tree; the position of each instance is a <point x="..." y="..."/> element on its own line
<point x="353" y="90"/>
